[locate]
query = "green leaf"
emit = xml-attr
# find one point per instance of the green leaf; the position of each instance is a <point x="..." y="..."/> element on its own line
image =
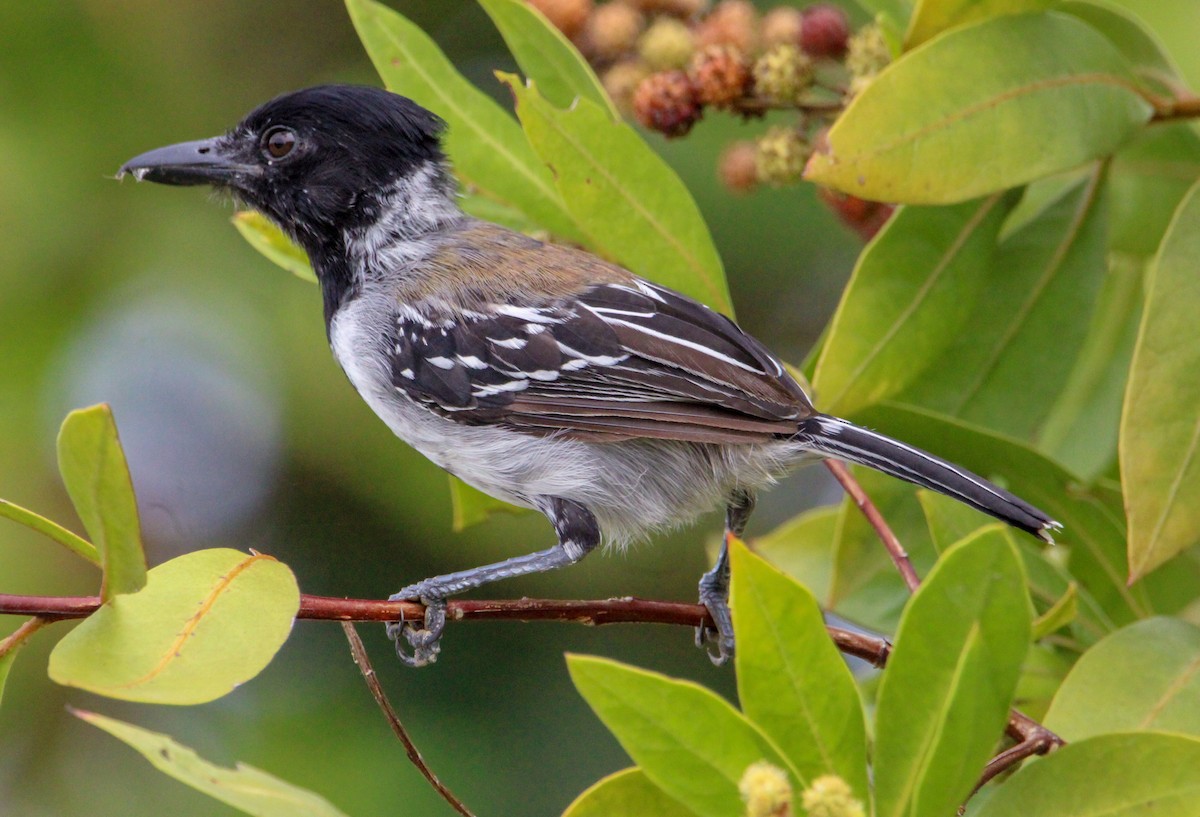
<point x="1041" y="675"/>
<point x="76" y="544"/>
<point x="1149" y="178"/>
<point x="628" y="792"/>
<point x="944" y="698"/>
<point x="910" y="296"/>
<point x="1081" y="429"/>
<point x="485" y="143"/>
<point x="949" y="520"/>
<point x="6" y="662"/>
<point x="623" y="193"/>
<point x="802" y="547"/>
<point x="546" y="56"/>
<point x="1124" y="775"/>
<point x="1160" y="427"/>
<point x="1144" y="677"/>
<point x="792" y="681"/>
<point x="11" y="644"/>
<point x="205" y="622"/>
<point x="472" y="506"/>
<point x="246" y="788"/>
<point x="690" y="743"/>
<point x="1019" y="97"/>
<point x="269" y="240"/>
<point x="1093" y="535"/>
<point x="1039" y="294"/>
<point x="1140" y="46"/>
<point x="93" y="468"/>
<point x="1059" y="615"/>
<point x="932" y="17"/>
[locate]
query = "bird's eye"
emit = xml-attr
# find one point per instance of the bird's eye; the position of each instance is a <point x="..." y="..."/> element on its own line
<point x="278" y="142"/>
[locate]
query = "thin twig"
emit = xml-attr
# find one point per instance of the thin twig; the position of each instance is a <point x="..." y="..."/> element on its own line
<point x="368" y="672"/>
<point x="869" y="648"/>
<point x="20" y="635"/>
<point x="1173" y="108"/>
<point x="896" y="550"/>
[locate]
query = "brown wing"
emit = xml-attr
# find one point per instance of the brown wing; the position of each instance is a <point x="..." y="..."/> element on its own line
<point x="616" y="361"/>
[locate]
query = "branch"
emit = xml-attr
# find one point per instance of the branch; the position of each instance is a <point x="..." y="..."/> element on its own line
<point x="872" y="649"/>
<point x="1185" y="106"/>
<point x="368" y="672"/>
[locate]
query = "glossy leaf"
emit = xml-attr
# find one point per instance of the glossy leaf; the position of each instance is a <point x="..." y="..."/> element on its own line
<point x="1020" y="97"/>
<point x="1039" y="294"/>
<point x="792" y="681"/>
<point x="909" y="298"/>
<point x="485" y="143"/>
<point x="1160" y="428"/>
<point x="628" y="792"/>
<point x="246" y="788"/>
<point x="205" y="622"/>
<point x="1123" y="775"/>
<point x="623" y="193"/>
<point x="944" y="699"/>
<point x="1094" y="535"/>
<point x="93" y="468"/>
<point x="1140" y="46"/>
<point x="546" y="56"/>
<point x="269" y="240"/>
<point x="931" y="17"/>
<point x="689" y="742"/>
<point x="50" y="529"/>
<point x="1144" y="677"/>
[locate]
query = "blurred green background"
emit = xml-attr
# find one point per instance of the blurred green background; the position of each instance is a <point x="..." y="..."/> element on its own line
<point x="242" y="432"/>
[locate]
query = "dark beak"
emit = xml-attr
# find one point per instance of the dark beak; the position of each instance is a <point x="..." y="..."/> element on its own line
<point x="208" y="161"/>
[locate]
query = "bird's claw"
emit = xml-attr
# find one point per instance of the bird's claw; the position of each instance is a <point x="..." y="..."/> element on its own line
<point x="423" y="637"/>
<point x="722" y="634"/>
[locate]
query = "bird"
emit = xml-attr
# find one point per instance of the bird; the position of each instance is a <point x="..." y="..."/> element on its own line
<point x="535" y="371"/>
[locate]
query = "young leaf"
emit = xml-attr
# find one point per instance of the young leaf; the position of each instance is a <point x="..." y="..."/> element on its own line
<point x="627" y="792"/>
<point x="1144" y="677"/>
<point x="931" y="17"/>
<point x="269" y="240"/>
<point x="1040" y="291"/>
<point x="94" y="470"/>
<point x="1160" y="426"/>
<point x="77" y="545"/>
<point x="909" y="297"/>
<point x="626" y="197"/>
<point x="945" y="695"/>
<point x="205" y="622"/>
<point x="1020" y="97"/>
<point x="1061" y="613"/>
<point x="690" y="743"/>
<point x="546" y="56"/>
<point x="792" y="681"/>
<point x="246" y="788"/>
<point x="1123" y="775"/>
<point x="486" y="144"/>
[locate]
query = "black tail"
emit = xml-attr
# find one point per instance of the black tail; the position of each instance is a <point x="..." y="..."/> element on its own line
<point x="846" y="441"/>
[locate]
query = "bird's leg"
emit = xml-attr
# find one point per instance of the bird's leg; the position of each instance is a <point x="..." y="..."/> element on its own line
<point x="578" y="534"/>
<point x="714" y="585"/>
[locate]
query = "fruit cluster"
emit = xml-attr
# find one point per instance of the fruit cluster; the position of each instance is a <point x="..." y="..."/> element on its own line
<point x="665" y="62"/>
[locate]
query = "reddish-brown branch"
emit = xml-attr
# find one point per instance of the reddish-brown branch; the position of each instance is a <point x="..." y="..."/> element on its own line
<point x="869" y="648"/>
<point x="1170" y="109"/>
<point x="359" y="651"/>
<point x="896" y="550"/>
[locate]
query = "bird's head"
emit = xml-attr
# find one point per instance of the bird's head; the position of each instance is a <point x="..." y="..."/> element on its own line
<point x="321" y="162"/>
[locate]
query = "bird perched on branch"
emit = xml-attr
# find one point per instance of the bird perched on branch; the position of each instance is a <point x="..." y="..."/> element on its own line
<point x="538" y="373"/>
